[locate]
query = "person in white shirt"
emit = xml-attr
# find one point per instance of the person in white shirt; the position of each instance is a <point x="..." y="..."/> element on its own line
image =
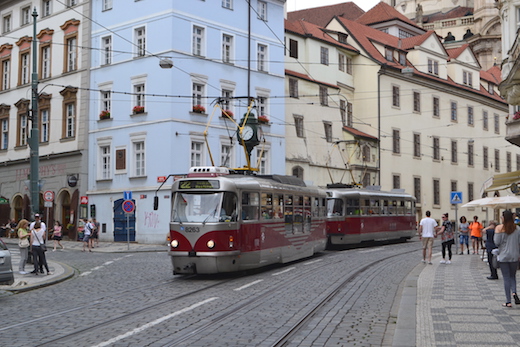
<point x="37" y="219"/>
<point x="427" y="231"/>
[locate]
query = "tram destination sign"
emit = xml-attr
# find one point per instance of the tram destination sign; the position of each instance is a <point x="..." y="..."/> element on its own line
<point x="199" y="184"/>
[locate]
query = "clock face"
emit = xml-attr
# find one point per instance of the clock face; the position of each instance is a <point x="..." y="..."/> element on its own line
<point x="247" y="133"/>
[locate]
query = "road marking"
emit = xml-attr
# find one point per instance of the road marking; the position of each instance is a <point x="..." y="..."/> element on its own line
<point x="108" y="263"/>
<point x="284" y="271"/>
<point x="371" y="250"/>
<point x="248" y="285"/>
<point x="312" y="262"/>
<point x="155" y="322"/>
<point x="85" y="273"/>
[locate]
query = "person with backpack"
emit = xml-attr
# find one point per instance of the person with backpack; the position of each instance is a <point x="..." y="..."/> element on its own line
<point x="447" y="238"/>
<point x="87" y="232"/>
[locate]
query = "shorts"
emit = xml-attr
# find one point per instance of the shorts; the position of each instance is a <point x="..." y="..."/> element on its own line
<point x="475" y="237"/>
<point x="94" y="236"/>
<point x="86" y="238"/>
<point x="464" y="239"/>
<point x="57" y="238"/>
<point x="427" y="242"/>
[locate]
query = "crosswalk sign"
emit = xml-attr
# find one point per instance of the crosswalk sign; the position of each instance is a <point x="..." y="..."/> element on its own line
<point x="456" y="198"/>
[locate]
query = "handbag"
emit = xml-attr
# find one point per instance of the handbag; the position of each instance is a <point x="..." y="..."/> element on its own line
<point x="42" y="244"/>
<point x="23" y="243"/>
<point x="494" y="262"/>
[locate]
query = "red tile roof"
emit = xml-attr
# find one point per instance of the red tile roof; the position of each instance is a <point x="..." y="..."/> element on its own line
<point x="454" y="53"/>
<point x="309" y="78"/>
<point x="356" y="132"/>
<point x="323" y="15"/>
<point x="383" y="12"/>
<point x="493" y="75"/>
<point x="307" y="29"/>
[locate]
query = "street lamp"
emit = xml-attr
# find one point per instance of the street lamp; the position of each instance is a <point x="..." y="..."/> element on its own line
<point x="35" y="135"/>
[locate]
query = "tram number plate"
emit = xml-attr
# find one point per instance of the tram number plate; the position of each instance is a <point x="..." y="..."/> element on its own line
<point x="192" y="229"/>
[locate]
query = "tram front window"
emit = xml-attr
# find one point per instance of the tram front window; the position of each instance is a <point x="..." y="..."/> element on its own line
<point x="204" y="207"/>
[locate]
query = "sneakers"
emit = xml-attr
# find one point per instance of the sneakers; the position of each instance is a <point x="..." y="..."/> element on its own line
<point x="424" y="261"/>
<point x="461" y="253"/>
<point x="468" y="251"/>
<point x="443" y="261"/>
<point x="448" y="262"/>
<point x="23" y="273"/>
<point x="49" y="273"/>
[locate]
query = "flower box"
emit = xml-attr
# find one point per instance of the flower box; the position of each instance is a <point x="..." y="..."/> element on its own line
<point x="104" y="115"/>
<point x="263" y="119"/>
<point x="227" y="114"/>
<point x="199" y="109"/>
<point x="138" y="109"/>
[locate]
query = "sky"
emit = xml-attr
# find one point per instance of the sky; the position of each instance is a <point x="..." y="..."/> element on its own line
<point x="295" y="5"/>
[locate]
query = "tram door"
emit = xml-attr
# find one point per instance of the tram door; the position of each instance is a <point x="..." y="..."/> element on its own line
<point x="124" y="224"/>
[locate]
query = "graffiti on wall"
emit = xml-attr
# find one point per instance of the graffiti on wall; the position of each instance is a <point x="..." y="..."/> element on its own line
<point x="151" y="219"/>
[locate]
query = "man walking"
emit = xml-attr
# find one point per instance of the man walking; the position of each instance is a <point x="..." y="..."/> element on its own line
<point x="427" y="228"/>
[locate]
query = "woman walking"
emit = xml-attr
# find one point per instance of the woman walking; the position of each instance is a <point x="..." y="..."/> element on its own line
<point x="37" y="236"/>
<point x="23" y="243"/>
<point x="507" y="239"/>
<point x="57" y="236"/>
<point x="464" y="234"/>
<point x="447" y="238"/>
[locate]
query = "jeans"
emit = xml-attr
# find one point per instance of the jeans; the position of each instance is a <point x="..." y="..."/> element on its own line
<point x="490" y="255"/>
<point x="39" y="259"/>
<point x="509" y="274"/>
<point x="24" y="254"/>
<point x="446" y="244"/>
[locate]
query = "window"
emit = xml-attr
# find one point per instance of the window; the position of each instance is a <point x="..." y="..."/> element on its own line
<point x="140" y="41"/>
<point x="453" y="111"/>
<point x="324" y="97"/>
<point x="227" y="103"/>
<point x="470" y="153"/>
<point x="433" y="67"/>
<point x="365" y="153"/>
<point x="453" y="152"/>
<point x="197" y="94"/>
<point x="226" y="152"/>
<point x="343" y="111"/>
<point x="467" y="78"/>
<point x="436" y="148"/>
<point x="106" y="100"/>
<point x="72" y="2"/>
<point x="26" y="15"/>
<point x="46" y="8"/>
<point x="342" y="37"/>
<point x="497" y="160"/>
<point x="436" y="192"/>
<point x="120" y="160"/>
<point x="508" y="161"/>
<point x="417" y="102"/>
<point x="139" y="99"/>
<point x="261" y="158"/>
<point x="453" y="186"/>
<point x="262" y="106"/>
<point x="262" y="10"/>
<point x="324" y="55"/>
<point x="227" y="48"/>
<point x="197" y="151"/>
<point x="402" y="58"/>
<point x="262" y="58"/>
<point x="105" y="165"/>
<point x="396" y="141"/>
<point x="341" y="62"/>
<point x="4" y="141"/>
<point x="297" y="171"/>
<point x="6" y="24"/>
<point x="389" y="54"/>
<point x="106" y="43"/>
<point x="70" y="120"/>
<point x="471" y="120"/>
<point x="45" y="62"/>
<point x="328" y="131"/>
<point x="485" y="159"/>
<point x="485" y="120"/>
<point x="72" y="60"/>
<point x="227" y="4"/>
<point x="198" y="41"/>
<point x="348" y="62"/>
<point x="491" y="88"/>
<point x="293" y="87"/>
<point x="395" y="96"/>
<point x="417" y="189"/>
<point x="470" y="191"/>
<point x="107" y="5"/>
<point x="139" y="158"/>
<point x="496" y="118"/>
<point x="436" y="107"/>
<point x="417" y="145"/>
<point x="350" y="114"/>
<point x="298" y="124"/>
<point x="22" y="130"/>
<point x="24" y="68"/>
<point x="396" y="182"/>
<point x="6" y="69"/>
<point x="293" y="48"/>
<point x="44" y="125"/>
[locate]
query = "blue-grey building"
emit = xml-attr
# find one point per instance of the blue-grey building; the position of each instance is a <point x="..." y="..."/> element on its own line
<point x="157" y="69"/>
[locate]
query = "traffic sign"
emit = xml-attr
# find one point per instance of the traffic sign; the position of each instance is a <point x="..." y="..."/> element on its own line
<point x="127" y="195"/>
<point x="128" y="206"/>
<point x="456" y="198"/>
<point x="83" y="200"/>
<point x="48" y="195"/>
<point x="47" y="204"/>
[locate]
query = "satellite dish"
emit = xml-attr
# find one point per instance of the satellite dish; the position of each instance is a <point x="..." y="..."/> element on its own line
<point x="514" y="188"/>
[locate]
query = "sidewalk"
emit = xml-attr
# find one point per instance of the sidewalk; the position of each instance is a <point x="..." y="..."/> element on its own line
<point x="455" y="305"/>
<point x="61" y="272"/>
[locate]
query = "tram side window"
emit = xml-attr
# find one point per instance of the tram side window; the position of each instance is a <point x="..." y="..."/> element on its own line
<point x="277" y="206"/>
<point x="288" y="213"/>
<point x="250" y="205"/>
<point x="297" y="214"/>
<point x="400" y="207"/>
<point x="408" y="207"/>
<point x="307" y="213"/>
<point x="365" y="206"/>
<point x="353" y="207"/>
<point x="393" y="207"/>
<point x="374" y="206"/>
<point x="228" y="212"/>
<point x="266" y="209"/>
<point x="334" y="207"/>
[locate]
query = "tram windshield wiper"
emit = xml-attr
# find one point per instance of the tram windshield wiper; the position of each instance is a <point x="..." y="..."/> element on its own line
<point x="211" y="215"/>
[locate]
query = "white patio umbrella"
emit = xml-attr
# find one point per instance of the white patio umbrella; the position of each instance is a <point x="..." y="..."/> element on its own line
<point x="504" y="202"/>
<point x="478" y="202"/>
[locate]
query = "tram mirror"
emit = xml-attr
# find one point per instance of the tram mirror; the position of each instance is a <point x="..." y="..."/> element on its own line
<point x="155" y="203"/>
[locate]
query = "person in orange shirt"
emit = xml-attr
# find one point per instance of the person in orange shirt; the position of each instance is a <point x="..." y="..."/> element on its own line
<point x="476" y="234"/>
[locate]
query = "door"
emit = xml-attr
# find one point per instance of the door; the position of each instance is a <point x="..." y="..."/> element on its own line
<point x="124" y="223"/>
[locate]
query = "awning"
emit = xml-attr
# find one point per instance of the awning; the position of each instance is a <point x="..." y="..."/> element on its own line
<point x="502" y="181"/>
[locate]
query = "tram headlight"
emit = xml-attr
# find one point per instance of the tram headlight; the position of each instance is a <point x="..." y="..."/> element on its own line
<point x="210" y="244"/>
<point x="175" y="243"/>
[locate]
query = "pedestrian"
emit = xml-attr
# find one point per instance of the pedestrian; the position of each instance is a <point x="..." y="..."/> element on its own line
<point x="95" y="232"/>
<point x="11" y="228"/>
<point x="446" y="232"/>
<point x="87" y="232"/>
<point x="476" y="234"/>
<point x="39" y="260"/>
<point x="427" y="228"/>
<point x="464" y="234"/>
<point x="43" y="225"/>
<point x="57" y="236"/>
<point x="23" y="243"/>
<point x="490" y="246"/>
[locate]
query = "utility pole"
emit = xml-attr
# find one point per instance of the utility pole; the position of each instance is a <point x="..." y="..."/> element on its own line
<point x="34" y="140"/>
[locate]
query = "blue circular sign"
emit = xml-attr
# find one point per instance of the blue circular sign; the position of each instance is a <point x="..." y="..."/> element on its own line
<point x="128" y="206"/>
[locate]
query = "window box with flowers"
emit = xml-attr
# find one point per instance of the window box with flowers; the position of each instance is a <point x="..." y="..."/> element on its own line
<point x="227" y="114"/>
<point x="104" y="115"/>
<point x="199" y="109"/>
<point x="263" y="119"/>
<point x="138" y="109"/>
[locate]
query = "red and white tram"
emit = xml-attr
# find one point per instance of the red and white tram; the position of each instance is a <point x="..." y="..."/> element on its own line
<point x="226" y="222"/>
<point x="359" y="215"/>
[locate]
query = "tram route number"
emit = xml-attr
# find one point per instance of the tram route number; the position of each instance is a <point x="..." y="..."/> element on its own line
<point x="199" y="184"/>
<point x="192" y="229"/>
